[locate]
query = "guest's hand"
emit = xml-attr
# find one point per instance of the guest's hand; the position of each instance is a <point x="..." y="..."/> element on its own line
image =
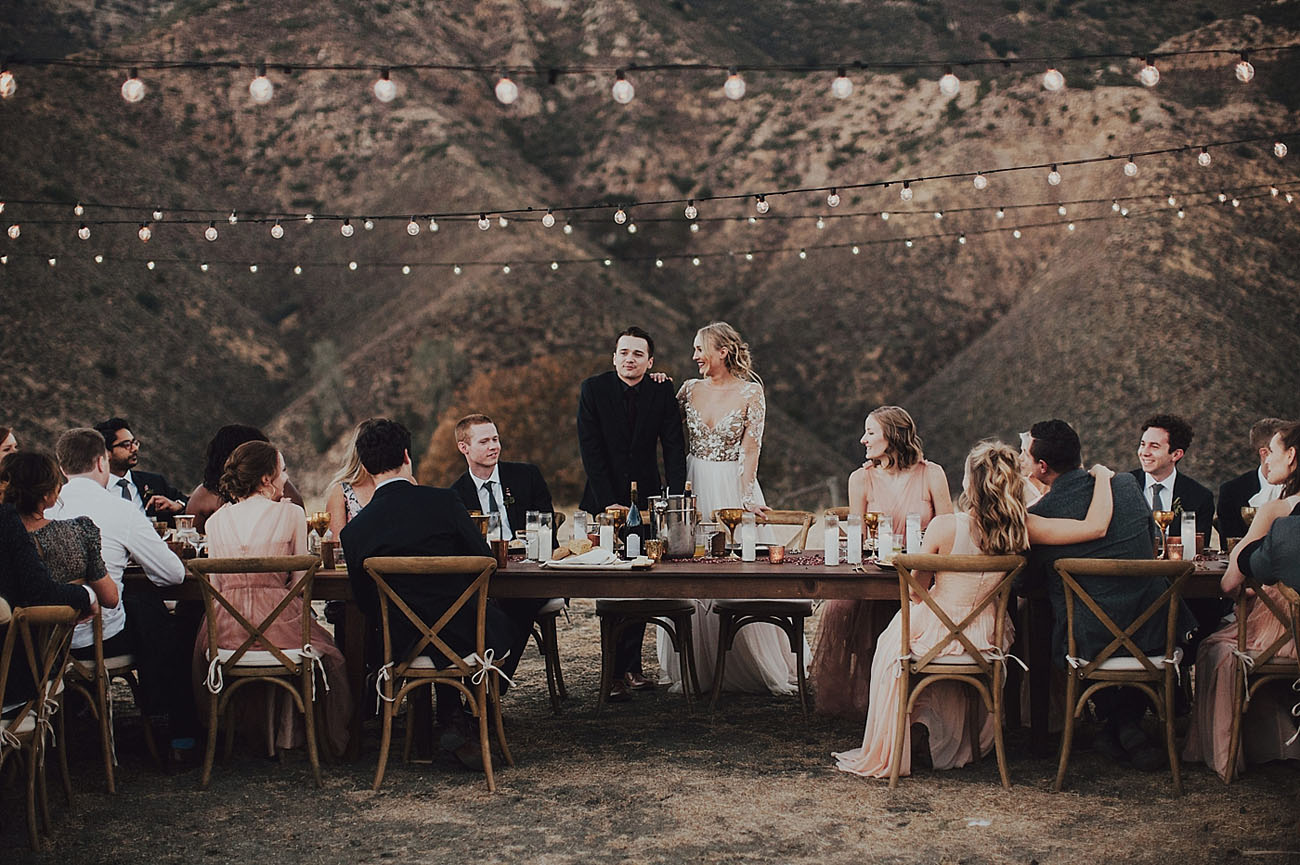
<point x="761" y="510"/>
<point x="1100" y="472"/>
<point x="162" y="503"/>
<point x="660" y="377"/>
<point x="94" y="611"/>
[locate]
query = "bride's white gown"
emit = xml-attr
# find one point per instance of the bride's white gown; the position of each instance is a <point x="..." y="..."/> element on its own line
<point x="721" y="464"/>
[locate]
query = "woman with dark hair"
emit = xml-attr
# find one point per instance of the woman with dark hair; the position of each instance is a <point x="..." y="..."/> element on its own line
<point x="206" y="498"/>
<point x="8" y="442"/>
<point x="894" y="481"/>
<point x="259" y="523"/>
<point x="1267" y="730"/>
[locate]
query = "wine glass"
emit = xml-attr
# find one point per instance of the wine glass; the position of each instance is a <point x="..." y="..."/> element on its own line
<point x="1163" y="520"/>
<point x="320" y="521"/>
<point x="730" y="517"/>
<point x="871" y="522"/>
<point x="617" y="517"/>
<point x="1248" y="514"/>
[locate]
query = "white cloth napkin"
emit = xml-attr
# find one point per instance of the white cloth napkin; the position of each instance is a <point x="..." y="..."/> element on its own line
<point x="596" y="558"/>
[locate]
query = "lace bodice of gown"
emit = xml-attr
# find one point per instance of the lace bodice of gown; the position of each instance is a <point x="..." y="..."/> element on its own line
<point x="727" y="439"/>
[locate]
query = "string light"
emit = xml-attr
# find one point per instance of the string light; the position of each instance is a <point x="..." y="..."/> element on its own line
<point x="385" y="89"/>
<point x="505" y="268"/>
<point x="884" y="215"/>
<point x="252" y="268"/>
<point x="455" y="268"/>
<point x="145" y="232"/>
<point x="506" y="90"/>
<point x="84" y="232"/>
<point x="1001" y="214"/>
<point x="8" y="85"/>
<point x="203" y="267"/>
<point x="210" y="233"/>
<point x="150" y="265"/>
<point x="623" y="91"/>
<point x="906" y="192"/>
<point x="1053" y="80"/>
<point x="555" y="265"/>
<point x="133" y="88"/>
<point x="502" y="221"/>
<point x="821" y="223"/>
<point x="695" y="261"/>
<point x="691" y="210"/>
<point x="1203" y="158"/>
<point x="548" y="218"/>
<point x="277" y="230"/>
<point x="948" y="84"/>
<point x="1130" y="168"/>
<point x="368" y="225"/>
<point x="232" y="218"/>
<point x="631" y="228"/>
<point x="620" y="216"/>
<point x="261" y="88"/>
<point x="695" y="227"/>
<point x="980" y="181"/>
<point x="309" y="219"/>
<point x="412" y="227"/>
<point x="483" y="222"/>
<point x="1243" y="70"/>
<point x="568" y="228"/>
<point x="99" y="259"/>
<point x="833" y="200"/>
<point x="1279" y="149"/>
<point x="1149" y="75"/>
<point x="157" y="215"/>
<point x="1016" y="233"/>
<point x="53" y="261"/>
<point x="962" y="239"/>
<point x="659" y="262"/>
<point x="352" y="265"/>
<point x="760" y="204"/>
<point x="346" y="228"/>
<point x="406" y="270"/>
<point x="297" y="270"/>
<point x="77" y="211"/>
<point x="1054" y="177"/>
<point x="841" y="87"/>
<point x="803" y="254"/>
<point x="734" y="88"/>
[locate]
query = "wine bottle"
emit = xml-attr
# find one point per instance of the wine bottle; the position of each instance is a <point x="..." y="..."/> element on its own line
<point x="634" y="529"/>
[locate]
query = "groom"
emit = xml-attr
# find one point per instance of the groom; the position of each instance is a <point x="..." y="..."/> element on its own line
<point x="624" y="418"/>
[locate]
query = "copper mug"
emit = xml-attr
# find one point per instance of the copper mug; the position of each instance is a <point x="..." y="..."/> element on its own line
<point x="501" y="551"/>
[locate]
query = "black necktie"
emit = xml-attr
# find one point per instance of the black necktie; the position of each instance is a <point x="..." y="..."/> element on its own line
<point x="1155" y="497"/>
<point x="126" y="488"/>
<point x="492" y="500"/>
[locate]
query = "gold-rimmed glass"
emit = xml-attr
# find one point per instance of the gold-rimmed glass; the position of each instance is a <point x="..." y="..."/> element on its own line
<point x="871" y="522"/>
<point x="1163" y="520"/>
<point x="1248" y="514"/>
<point x="730" y="517"/>
<point x="319" y="521"/>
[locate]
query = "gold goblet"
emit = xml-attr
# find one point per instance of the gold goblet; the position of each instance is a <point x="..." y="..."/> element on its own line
<point x="1248" y="514"/>
<point x="320" y="521"/>
<point x="617" y="515"/>
<point x="1163" y="520"/>
<point x="481" y="520"/>
<point x="730" y="517"/>
<point x="871" y="522"/>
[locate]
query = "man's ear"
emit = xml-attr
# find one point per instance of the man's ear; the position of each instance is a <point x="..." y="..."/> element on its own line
<point x="1177" y="454"/>
<point x="463" y="447"/>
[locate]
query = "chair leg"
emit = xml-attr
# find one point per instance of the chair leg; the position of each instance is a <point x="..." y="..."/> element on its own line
<point x="686" y="660"/>
<point x="1175" y="767"/>
<point x="42" y="786"/>
<point x="725" y="621"/>
<point x="1238" y="710"/>
<point x="500" y="721"/>
<point x="545" y="635"/>
<point x="104" y="710"/>
<point x="900" y="732"/>
<point x="485" y="746"/>
<point x="309" y="721"/>
<point x="553" y="635"/>
<point x="797" y="637"/>
<point x="999" y="746"/>
<point x="61" y="742"/>
<point x="385" y="740"/>
<point x="408" y="739"/>
<point x="33" y="758"/>
<point x="607" y="640"/>
<point x="210" y="753"/>
<point x="1067" y="735"/>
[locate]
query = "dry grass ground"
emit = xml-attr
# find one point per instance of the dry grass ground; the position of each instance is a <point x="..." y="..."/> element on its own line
<point x="646" y="783"/>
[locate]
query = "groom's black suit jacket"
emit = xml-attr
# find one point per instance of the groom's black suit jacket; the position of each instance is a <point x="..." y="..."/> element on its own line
<point x="1233" y="496"/>
<point x="1195" y="499"/>
<point x="614" y="455"/>
<point x="524" y="490"/>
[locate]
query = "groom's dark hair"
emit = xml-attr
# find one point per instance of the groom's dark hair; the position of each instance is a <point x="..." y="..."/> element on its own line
<point x="1056" y="443"/>
<point x="639" y="334"/>
<point x="382" y="444"/>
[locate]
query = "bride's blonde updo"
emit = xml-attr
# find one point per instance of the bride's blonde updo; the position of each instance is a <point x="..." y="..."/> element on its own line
<point x="993" y="494"/>
<point x="724" y="337"/>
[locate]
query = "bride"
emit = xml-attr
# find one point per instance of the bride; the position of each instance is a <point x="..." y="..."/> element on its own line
<point x="725" y="413"/>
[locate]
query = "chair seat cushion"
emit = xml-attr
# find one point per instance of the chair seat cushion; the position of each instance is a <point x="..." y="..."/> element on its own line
<point x="1126" y="663"/>
<point x="775" y="607"/>
<point x="553" y="607"/>
<point x="258" y="658"/>
<point x="949" y="660"/>
<point x="642" y="606"/>
<point x="26" y="724"/>
<point x="119" y="662"/>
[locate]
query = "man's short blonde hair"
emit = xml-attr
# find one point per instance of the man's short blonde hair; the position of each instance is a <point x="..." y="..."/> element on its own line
<point x="470" y="420"/>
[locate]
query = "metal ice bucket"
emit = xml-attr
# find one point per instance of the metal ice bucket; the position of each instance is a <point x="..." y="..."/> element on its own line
<point x="674" y="520"/>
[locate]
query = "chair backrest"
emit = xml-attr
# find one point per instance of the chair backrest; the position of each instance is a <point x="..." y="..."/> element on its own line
<point x="430" y="634"/>
<point x="1292" y="599"/>
<point x="909" y="584"/>
<point x="255" y="634"/>
<point x="43" y="636"/>
<point x="802" y="519"/>
<point x="842" y="512"/>
<point x="1273" y="599"/>
<point x="1174" y="573"/>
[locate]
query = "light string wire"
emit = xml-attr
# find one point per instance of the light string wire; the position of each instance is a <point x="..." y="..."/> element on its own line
<point x="696" y="257"/>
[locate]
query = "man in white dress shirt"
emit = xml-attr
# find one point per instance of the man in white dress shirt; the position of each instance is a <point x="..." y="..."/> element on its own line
<point x="1250" y="488"/>
<point x="141" y="625"/>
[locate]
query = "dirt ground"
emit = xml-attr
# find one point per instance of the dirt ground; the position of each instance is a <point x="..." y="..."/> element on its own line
<point x="647" y="783"/>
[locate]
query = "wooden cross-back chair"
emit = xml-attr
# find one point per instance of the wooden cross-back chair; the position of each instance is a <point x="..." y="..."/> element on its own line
<point x="983" y="671"/>
<point x="1254" y="669"/>
<point x="256" y="658"/>
<point x="1121" y="663"/>
<point x="36" y="640"/>
<point x="414" y="669"/>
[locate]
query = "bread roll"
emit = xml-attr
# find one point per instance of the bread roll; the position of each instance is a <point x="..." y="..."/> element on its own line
<point x="578" y="546"/>
<point x="559" y="553"/>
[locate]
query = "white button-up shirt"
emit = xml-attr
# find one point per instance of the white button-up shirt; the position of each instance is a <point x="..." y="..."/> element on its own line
<point x="1267" y="492"/>
<point x="131" y="486"/>
<point x="125" y="534"/>
<point x="1166" y="491"/>
<point x="499" y="492"/>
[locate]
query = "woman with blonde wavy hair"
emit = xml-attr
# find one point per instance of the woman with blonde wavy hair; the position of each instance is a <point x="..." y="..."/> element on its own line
<point x="992" y="521"/>
<point x="349" y="490"/>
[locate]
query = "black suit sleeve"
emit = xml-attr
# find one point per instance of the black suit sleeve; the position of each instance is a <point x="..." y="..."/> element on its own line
<point x="475" y="543"/>
<point x="24" y="579"/>
<point x="591" y="442"/>
<point x="674" y="444"/>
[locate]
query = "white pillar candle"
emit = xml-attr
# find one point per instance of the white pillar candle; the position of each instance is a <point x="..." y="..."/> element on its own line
<point x="914" y="533"/>
<point x="607" y="538"/>
<point x="1189" y="536"/>
<point x="854" y="533"/>
<point x="543" y="543"/>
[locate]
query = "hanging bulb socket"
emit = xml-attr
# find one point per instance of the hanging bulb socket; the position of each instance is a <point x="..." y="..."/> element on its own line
<point x="691" y="210"/>
<point x="949" y="84"/>
<point x="210" y="233"/>
<point x="833" y="200"/>
<point x="1203" y="158"/>
<point x="277" y="230"/>
<point x="1149" y="75"/>
<point x="841" y="87"/>
<point x="1054" y="177"/>
<point x="623" y="91"/>
<point x="385" y="89"/>
<point x="133" y="88"/>
<point x="1244" y="70"/>
<point x="760" y="204"/>
<point x="734" y="88"/>
<point x="506" y="90"/>
<point x="261" y="88"/>
<point x="906" y="192"/>
<point x="483" y="222"/>
<point x="346" y="228"/>
<point x="548" y="218"/>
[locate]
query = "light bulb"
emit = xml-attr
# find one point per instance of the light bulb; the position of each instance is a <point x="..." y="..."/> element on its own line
<point x="2" y="207"/>
<point x="821" y="223"/>
<point x="1289" y="198"/>
<point x="1223" y="196"/>
<point x="906" y="192"/>
<point x="568" y="228"/>
<point x="1053" y="80"/>
<point x="855" y="250"/>
<point x="1001" y="214"/>
<point x="210" y="233"/>
<point x="1149" y="75"/>
<point x="406" y="268"/>
<point x="1243" y="70"/>
<point x="1279" y="149"/>
<point x="1114" y="205"/>
<point x="695" y="227"/>
<point x="133" y="88"/>
<point x="1130" y="168"/>
<point x="413" y="227"/>
<point x="695" y="261"/>
<point x="833" y="200"/>
<point x="368" y="225"/>
<point x="749" y="256"/>
<point x="8" y="86"/>
<point x="659" y="262"/>
<point x="157" y="215"/>
<point x="277" y="230"/>
<point x="84" y="232"/>
<point x="502" y="221"/>
<point x="346" y="228"/>
<point x="962" y="239"/>
<point x="691" y="210"/>
<point x="938" y="214"/>
<point x="841" y="87"/>
<point x="150" y="265"/>
<point x="505" y="268"/>
<point x="1060" y="210"/>
<point x="78" y="210"/>
<point x="455" y="268"/>
<point x="1123" y="211"/>
<point x="980" y="181"/>
<point x="261" y="88"/>
<point x="1069" y="227"/>
<point x="623" y="90"/>
<point x="555" y="265"/>
<point x="1203" y="158"/>
<point x="53" y="261"/>
<point x="309" y="219"/>
<point x="385" y="88"/>
<point x="752" y="220"/>
<point x="1273" y="191"/>
<point x="99" y="259"/>
<point x="204" y="267"/>
<point x="1181" y="214"/>
<point x="1236" y="202"/>
<point x="145" y="233"/>
<point x="433" y="224"/>
<point x="734" y="88"/>
<point x="252" y="268"/>
<point x="631" y="228"/>
<point x="297" y="270"/>
<point x="908" y="243"/>
<point x="608" y="262"/>
<point x="761" y="205"/>
<point x="15" y="231"/>
<point x="803" y="255"/>
<point x="548" y="218"/>
<point x="948" y="84"/>
<point x="620" y="216"/>
<point x="507" y="91"/>
<point x="352" y="265"/>
<point x="232" y="218"/>
<point x="1016" y="234"/>
<point x="1054" y="177"/>
<point x="483" y="222"/>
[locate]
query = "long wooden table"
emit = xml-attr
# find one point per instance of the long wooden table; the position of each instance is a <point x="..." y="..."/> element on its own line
<point x="689" y="579"/>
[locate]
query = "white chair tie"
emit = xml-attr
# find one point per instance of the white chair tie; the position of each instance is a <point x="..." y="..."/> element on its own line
<point x="316" y="659"/>
<point x="487" y="663"/>
<point x="45" y="727"/>
<point x="385" y="674"/>
<point x="1176" y="660"/>
<point x="8" y="739"/>
<point x="898" y="664"/>
<point x="1001" y="657"/>
<point x="214" y="680"/>
<point x="1295" y="713"/>
<point x="1247" y="664"/>
<point x="1075" y="663"/>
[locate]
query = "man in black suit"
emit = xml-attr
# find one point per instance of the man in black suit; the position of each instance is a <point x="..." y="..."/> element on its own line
<point x="489" y="485"/>
<point x="150" y="492"/>
<point x="624" y="417"/>
<point x="1246" y="489"/>
<point x="1165" y="440"/>
<point x="404" y="519"/>
<point x="1056" y="452"/>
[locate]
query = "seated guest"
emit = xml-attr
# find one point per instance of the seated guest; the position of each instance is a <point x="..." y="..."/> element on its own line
<point x="140" y="625"/>
<point x="992" y="522"/>
<point x="1270" y="552"/>
<point x="896" y="480"/>
<point x="8" y="442"/>
<point x="404" y="519"/>
<point x="25" y="582"/>
<point x="349" y="490"/>
<point x="1165" y="440"/>
<point x="1250" y="488"/>
<point x="490" y="486"/>
<point x="1056" y="452"/>
<point x="259" y="523"/>
<point x="206" y="498"/>
<point x="1034" y="488"/>
<point x="70" y="548"/>
<point x="149" y="492"/>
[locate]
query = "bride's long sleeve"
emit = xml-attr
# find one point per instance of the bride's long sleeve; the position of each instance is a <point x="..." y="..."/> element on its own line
<point x="751" y="443"/>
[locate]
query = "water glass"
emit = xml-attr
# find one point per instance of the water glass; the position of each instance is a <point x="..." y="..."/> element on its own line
<point x="854" y="533"/>
<point x="748" y="536"/>
<point x="545" y="534"/>
<point x="532" y="524"/>
<point x="831" y="532"/>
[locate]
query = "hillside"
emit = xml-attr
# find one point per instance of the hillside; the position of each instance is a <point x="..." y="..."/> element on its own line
<point x="976" y="339"/>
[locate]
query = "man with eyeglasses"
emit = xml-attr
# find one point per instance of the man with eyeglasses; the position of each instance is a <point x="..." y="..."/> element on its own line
<point x="149" y="492"/>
